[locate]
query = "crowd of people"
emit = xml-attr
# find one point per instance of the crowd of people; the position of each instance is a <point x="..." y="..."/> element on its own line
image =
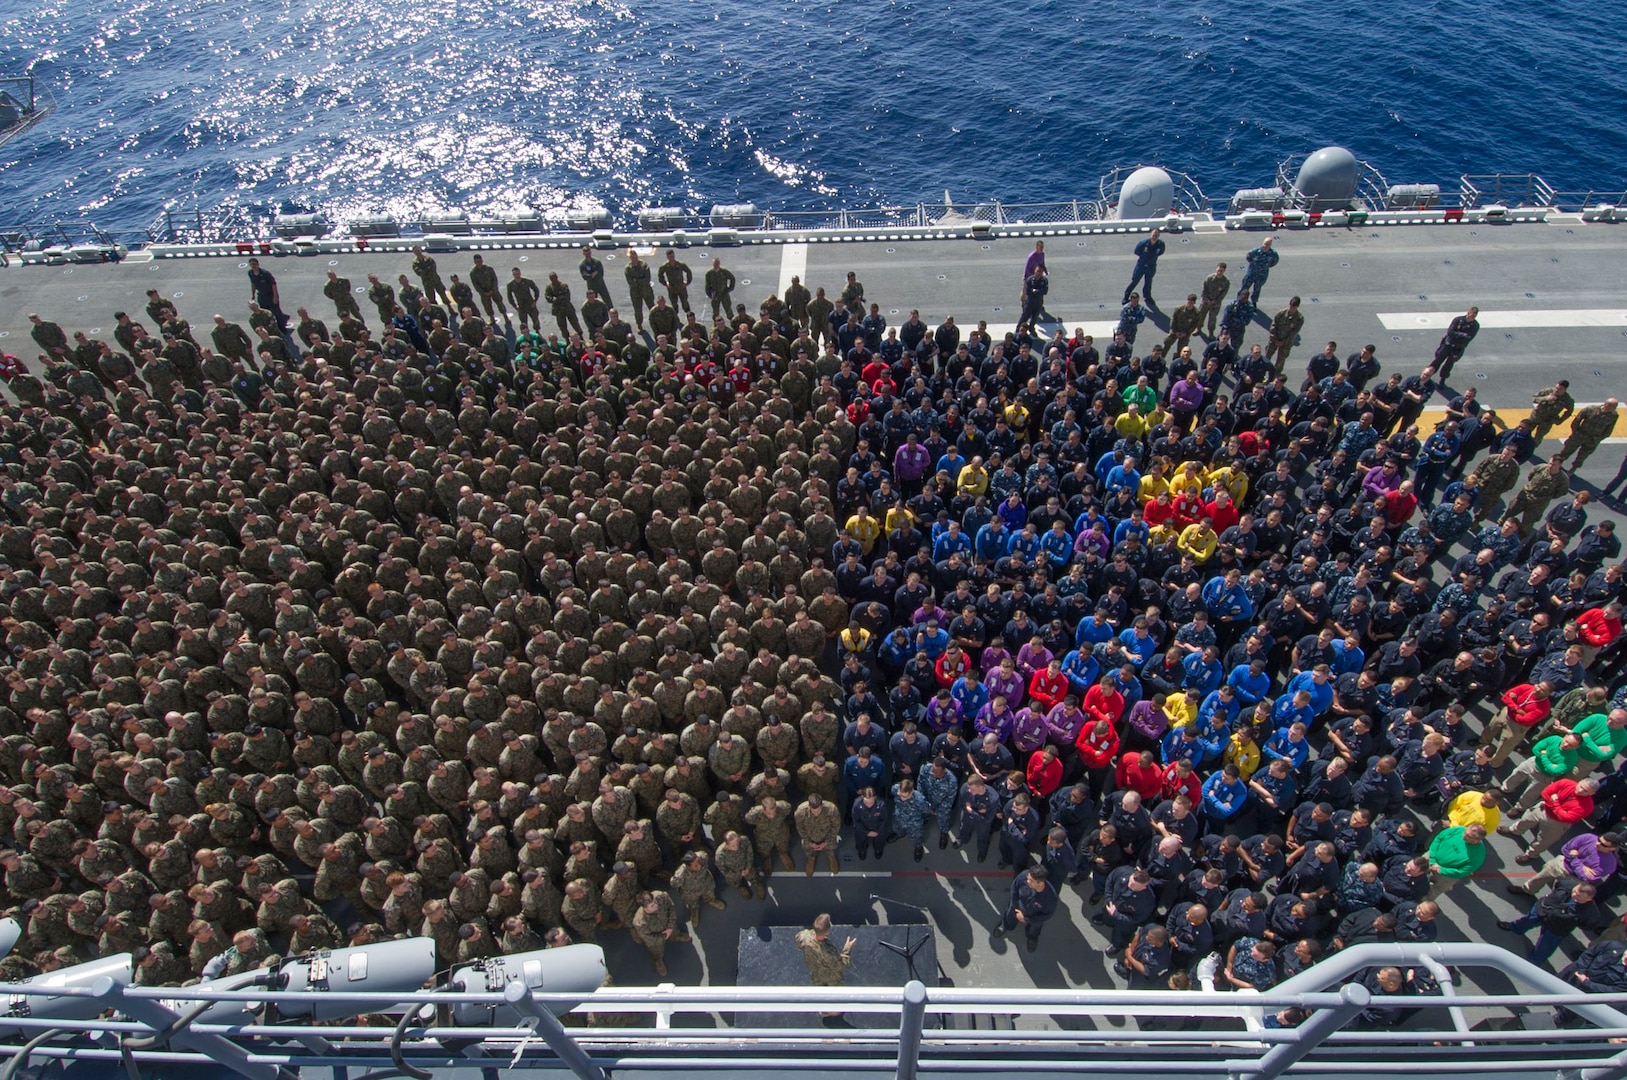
<point x="427" y="623"/>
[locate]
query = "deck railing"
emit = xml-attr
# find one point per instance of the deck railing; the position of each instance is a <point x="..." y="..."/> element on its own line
<point x="903" y="1031"/>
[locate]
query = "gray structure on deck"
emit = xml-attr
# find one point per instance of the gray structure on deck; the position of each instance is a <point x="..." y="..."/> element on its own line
<point x="1227" y="1041"/>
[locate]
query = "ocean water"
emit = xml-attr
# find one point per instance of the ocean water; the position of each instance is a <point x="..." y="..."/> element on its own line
<point x="362" y="106"/>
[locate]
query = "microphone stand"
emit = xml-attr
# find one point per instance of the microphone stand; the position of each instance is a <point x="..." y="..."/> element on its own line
<point x="910" y="947"/>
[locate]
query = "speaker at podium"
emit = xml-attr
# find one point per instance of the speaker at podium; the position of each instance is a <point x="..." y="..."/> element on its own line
<point x="887" y="955"/>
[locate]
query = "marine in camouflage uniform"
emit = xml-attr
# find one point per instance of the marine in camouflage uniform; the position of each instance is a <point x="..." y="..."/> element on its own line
<point x="771" y="822"/>
<point x="1550" y="407"/>
<point x="1545" y="484"/>
<point x="656" y="923"/>
<point x="1495" y="476"/>
<point x="827" y="965"/>
<point x="738" y="866"/>
<point x="695" y="885"/>
<point x="637" y="273"/>
<point x="819" y="776"/>
<point x="638" y="848"/>
<point x="1589" y="427"/>
<point x="582" y="910"/>
<point x="819" y="826"/>
<point x="620" y="894"/>
<point x="484" y="280"/>
<point x="679" y="819"/>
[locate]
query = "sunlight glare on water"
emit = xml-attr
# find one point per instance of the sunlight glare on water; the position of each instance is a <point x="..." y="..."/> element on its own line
<point x="370" y="106"/>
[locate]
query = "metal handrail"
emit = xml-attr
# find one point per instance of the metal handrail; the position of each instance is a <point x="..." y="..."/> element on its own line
<point x="263" y="1052"/>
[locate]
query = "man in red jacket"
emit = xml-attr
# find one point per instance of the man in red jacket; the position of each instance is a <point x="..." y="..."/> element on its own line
<point x="1049" y="686"/>
<point x="1140" y="772"/>
<point x="1104" y="702"/>
<point x="1044" y="773"/>
<point x="1564" y="803"/>
<point x="1399" y="506"/>
<point x="1524" y="707"/>
<point x="1179" y="778"/>
<point x="1600" y="628"/>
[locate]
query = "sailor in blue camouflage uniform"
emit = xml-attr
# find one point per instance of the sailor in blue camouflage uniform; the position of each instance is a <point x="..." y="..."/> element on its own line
<point x="941" y="787"/>
<point x="910" y="812"/>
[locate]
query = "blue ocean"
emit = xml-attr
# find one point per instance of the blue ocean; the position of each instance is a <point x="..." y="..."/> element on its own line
<point x="489" y="106"/>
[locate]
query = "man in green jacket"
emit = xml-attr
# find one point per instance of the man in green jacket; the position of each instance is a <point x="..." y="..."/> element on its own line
<point x="1455" y="854"/>
<point x="1551" y="759"/>
<point x="1603" y="737"/>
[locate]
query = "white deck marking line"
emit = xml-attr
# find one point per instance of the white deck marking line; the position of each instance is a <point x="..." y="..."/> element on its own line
<point x="1505" y="320"/>
<point x="793" y="263"/>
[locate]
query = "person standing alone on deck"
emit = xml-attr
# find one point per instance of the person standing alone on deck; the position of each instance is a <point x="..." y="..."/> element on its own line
<point x="1458" y="334"/>
<point x="1260" y="261"/>
<point x="1034" y="290"/>
<point x="1147" y="253"/>
<point x="719" y="284"/>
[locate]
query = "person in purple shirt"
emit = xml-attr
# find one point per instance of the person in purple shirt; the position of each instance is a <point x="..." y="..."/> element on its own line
<point x="1028" y="730"/>
<point x="910" y="462"/>
<point x="1012" y="511"/>
<point x="1185" y="400"/>
<point x="1036" y="258"/>
<point x="996" y="718"/>
<point x="1003" y="678"/>
<point x="943" y="712"/>
<point x="1146" y="725"/>
<point x="1589" y="857"/>
<point x="1065" y="720"/>
<point x="1382" y="480"/>
<point x="1033" y="657"/>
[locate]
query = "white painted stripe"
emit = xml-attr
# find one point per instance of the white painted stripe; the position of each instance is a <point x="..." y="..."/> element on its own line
<point x="793" y="263"/>
<point x="1505" y="320"/>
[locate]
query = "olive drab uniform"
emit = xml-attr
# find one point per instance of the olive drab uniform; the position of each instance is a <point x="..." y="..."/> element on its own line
<point x="825" y="827"/>
<point x="1496" y="478"/>
<point x="383" y="297"/>
<point x="558" y="296"/>
<point x="619" y="895"/>
<point x="650" y="929"/>
<point x="678" y="821"/>
<point x="796" y="301"/>
<point x="676" y="276"/>
<point x="695" y="886"/>
<point x="344" y="301"/>
<point x="1549" y="407"/>
<point x="719" y="289"/>
<point x="430" y="278"/>
<point x="484" y="280"/>
<point x="1184" y="321"/>
<point x="592" y="271"/>
<point x="523" y="294"/>
<point x="637" y="273"/>
<point x="1542" y="487"/>
<point x="819" y="778"/>
<point x="826" y="963"/>
<point x="1589" y="427"/>
<point x="1285" y="327"/>
<point x="739" y="869"/>
<point x="1212" y="298"/>
<point x="771" y="835"/>
<point x="582" y="915"/>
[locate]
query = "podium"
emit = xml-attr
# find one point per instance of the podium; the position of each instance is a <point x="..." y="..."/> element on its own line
<point x="889" y="955"/>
